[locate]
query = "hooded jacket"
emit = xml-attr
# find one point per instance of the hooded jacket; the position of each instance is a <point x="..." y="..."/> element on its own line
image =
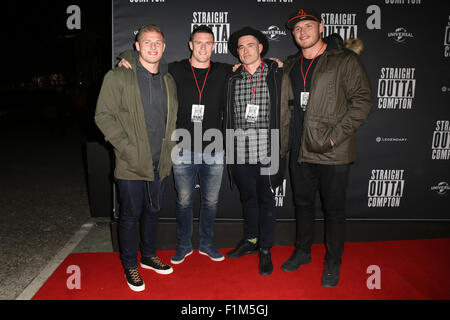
<point x="339" y="103"/>
<point x="120" y="117"/>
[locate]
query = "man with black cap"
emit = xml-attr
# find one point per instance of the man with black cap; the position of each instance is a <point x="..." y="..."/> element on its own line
<point x="327" y="88"/>
<point x="253" y="107"/>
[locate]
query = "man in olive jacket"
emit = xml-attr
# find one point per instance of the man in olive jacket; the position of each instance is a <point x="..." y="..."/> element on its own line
<point x="326" y="97"/>
<point x="136" y="111"/>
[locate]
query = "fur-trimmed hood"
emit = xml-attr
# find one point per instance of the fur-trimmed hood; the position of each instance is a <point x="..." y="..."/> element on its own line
<point x="335" y="41"/>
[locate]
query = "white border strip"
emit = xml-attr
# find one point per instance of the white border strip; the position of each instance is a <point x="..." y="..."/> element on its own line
<point x="54" y="263"/>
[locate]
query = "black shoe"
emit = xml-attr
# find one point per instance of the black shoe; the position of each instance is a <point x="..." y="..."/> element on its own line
<point x="244" y="247"/>
<point x="297" y="259"/>
<point x="265" y="262"/>
<point x="134" y="280"/>
<point x="155" y="264"/>
<point x="330" y="276"/>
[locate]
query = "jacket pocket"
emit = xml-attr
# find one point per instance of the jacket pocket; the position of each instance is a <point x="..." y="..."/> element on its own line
<point x="129" y="156"/>
<point x="317" y="137"/>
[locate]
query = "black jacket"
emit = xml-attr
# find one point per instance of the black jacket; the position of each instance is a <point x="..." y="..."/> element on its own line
<point x="274" y="77"/>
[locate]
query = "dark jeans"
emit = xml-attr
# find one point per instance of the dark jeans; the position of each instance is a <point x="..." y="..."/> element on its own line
<point x="258" y="203"/>
<point x="331" y="182"/>
<point x="136" y="207"/>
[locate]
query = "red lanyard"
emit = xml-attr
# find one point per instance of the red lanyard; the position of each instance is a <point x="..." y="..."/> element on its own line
<point x="200" y="92"/>
<point x="301" y="66"/>
<point x="257" y="83"/>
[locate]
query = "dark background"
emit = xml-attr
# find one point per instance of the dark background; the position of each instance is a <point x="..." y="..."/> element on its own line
<point x="389" y="139"/>
<point x="54" y="71"/>
<point x="52" y="76"/>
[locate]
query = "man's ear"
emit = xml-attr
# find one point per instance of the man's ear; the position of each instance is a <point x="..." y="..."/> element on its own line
<point x="321" y="27"/>
<point x="136" y="44"/>
<point x="191" y="46"/>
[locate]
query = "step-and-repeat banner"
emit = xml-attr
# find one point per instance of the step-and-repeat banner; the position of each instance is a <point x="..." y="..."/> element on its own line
<point x="403" y="165"/>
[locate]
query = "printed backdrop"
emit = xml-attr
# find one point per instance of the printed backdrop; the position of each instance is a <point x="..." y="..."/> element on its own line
<point x="403" y="165"/>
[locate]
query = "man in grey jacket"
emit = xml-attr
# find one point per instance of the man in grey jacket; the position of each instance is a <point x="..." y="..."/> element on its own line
<point x="137" y="111"/>
<point x="326" y="97"/>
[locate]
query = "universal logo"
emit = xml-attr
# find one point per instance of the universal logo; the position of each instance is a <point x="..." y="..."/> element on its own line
<point x="273" y="33"/>
<point x="391" y="139"/>
<point x="441" y="188"/>
<point x="400" y="35"/>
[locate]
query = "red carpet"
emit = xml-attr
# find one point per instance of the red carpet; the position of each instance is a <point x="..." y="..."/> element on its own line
<point x="417" y="269"/>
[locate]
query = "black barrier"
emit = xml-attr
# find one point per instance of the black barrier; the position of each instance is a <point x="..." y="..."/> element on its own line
<point x="402" y="169"/>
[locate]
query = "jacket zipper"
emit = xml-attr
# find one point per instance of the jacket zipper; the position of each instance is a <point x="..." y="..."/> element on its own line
<point x="230" y="83"/>
<point x="276" y="108"/>
<point x="167" y="128"/>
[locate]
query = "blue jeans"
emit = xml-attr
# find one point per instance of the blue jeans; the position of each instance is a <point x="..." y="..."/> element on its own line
<point x="210" y="178"/>
<point x="140" y="201"/>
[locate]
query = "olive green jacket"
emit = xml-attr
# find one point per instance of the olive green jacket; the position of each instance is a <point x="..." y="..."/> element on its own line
<point x="339" y="103"/>
<point x="120" y="117"/>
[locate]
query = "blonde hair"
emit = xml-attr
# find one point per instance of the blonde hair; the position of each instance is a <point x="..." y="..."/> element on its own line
<point x="148" y="28"/>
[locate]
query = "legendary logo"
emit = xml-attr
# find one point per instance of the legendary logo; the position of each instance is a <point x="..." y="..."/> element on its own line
<point x="342" y="23"/>
<point x="400" y="35"/>
<point x="218" y="22"/>
<point x="273" y="33"/>
<point x="385" y="188"/>
<point x="440" y="147"/>
<point x="396" y="88"/>
<point x="391" y="139"/>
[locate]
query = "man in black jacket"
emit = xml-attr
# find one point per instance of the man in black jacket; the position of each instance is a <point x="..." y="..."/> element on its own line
<point x="253" y="107"/>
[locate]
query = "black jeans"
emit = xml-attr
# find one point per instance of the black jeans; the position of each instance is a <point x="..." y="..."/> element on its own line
<point x="331" y="182"/>
<point x="137" y="207"/>
<point x="258" y="203"/>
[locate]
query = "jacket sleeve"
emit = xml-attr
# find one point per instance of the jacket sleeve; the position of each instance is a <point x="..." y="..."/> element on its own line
<point x="287" y="97"/>
<point x="106" y="112"/>
<point x="359" y="99"/>
<point x="127" y="55"/>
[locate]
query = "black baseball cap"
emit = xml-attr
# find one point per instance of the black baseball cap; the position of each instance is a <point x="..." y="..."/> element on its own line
<point x="301" y="15"/>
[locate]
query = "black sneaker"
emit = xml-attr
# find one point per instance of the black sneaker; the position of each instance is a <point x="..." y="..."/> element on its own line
<point x="134" y="280"/>
<point x="330" y="276"/>
<point x="265" y="262"/>
<point x="297" y="259"/>
<point x="244" y="247"/>
<point x="155" y="264"/>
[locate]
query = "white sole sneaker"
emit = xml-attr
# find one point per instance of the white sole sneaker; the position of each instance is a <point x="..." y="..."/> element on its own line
<point x="213" y="259"/>
<point x="180" y="261"/>
<point x="135" y="288"/>
<point x="168" y="271"/>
